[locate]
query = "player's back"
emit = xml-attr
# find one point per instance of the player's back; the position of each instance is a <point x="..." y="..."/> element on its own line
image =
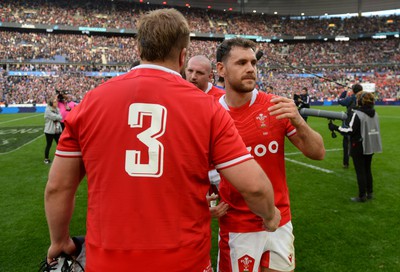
<point x="147" y="196"/>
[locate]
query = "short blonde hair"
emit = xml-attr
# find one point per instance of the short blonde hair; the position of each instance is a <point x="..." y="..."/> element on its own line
<point x="162" y="34"/>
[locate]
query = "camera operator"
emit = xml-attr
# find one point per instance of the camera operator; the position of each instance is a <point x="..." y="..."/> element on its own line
<point x="65" y="104"/>
<point x="302" y="100"/>
<point x="348" y="100"/>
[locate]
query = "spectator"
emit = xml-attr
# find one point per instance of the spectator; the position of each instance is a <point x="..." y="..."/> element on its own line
<point x="52" y="126"/>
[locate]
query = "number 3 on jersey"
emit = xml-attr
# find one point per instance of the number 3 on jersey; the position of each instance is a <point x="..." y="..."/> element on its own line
<point x="158" y="114"/>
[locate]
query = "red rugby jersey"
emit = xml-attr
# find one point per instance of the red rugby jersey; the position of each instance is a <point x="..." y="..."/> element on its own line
<point x="147" y="139"/>
<point x="264" y="136"/>
<point x="214" y="91"/>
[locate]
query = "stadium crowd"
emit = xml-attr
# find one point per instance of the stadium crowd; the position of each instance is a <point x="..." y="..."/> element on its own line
<point x="88" y="49"/>
<point x="69" y="56"/>
<point x="114" y="14"/>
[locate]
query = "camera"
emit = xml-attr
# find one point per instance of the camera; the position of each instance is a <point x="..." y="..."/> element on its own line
<point x="61" y="95"/>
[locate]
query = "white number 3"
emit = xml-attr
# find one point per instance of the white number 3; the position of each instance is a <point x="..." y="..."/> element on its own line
<point x="158" y="114"/>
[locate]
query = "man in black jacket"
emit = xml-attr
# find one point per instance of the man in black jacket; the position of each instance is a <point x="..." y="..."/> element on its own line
<point x="349" y="101"/>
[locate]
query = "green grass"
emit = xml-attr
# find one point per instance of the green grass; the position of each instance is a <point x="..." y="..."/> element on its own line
<point x="332" y="233"/>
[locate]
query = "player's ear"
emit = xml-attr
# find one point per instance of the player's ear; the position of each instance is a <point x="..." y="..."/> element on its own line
<point x="182" y="58"/>
<point x="221" y="69"/>
<point x="211" y="77"/>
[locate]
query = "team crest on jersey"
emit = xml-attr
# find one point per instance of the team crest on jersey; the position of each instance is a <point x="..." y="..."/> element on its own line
<point x="246" y="263"/>
<point x="262" y="119"/>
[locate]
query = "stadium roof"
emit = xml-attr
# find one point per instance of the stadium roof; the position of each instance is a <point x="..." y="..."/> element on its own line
<point x="286" y="7"/>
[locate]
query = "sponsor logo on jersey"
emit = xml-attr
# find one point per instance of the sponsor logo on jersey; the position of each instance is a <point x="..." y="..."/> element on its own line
<point x="260" y="150"/>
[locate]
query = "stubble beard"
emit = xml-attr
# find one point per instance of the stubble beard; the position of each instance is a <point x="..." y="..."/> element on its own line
<point x="245" y="87"/>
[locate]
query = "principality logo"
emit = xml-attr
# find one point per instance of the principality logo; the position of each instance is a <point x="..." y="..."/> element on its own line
<point x="246" y="263"/>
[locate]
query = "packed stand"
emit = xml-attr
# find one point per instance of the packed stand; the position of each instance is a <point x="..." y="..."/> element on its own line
<point x="123" y="14"/>
<point x="68" y="55"/>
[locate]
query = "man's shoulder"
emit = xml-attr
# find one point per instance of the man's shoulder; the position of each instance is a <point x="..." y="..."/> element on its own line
<point x="217" y="92"/>
<point x="264" y="98"/>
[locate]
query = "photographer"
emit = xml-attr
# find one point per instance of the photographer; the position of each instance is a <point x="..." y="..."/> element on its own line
<point x="65" y="104"/>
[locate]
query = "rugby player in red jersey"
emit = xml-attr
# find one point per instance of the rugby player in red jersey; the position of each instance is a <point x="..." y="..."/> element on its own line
<point x="145" y="141"/>
<point x="263" y="120"/>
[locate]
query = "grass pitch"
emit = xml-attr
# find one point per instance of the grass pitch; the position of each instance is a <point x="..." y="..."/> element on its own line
<point x="332" y="233"/>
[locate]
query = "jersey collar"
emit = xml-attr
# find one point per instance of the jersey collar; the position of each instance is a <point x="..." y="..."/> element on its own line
<point x="209" y="86"/>
<point x="156" y="67"/>
<point x="253" y="99"/>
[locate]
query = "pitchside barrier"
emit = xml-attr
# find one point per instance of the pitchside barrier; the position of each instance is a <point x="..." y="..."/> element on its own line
<point x="23" y="108"/>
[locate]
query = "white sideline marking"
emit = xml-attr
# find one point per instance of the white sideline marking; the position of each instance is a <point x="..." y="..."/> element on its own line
<point x="327" y="150"/>
<point x="311" y="166"/>
<point x="389" y="116"/>
<point x="26" y="117"/>
<point x="19" y="147"/>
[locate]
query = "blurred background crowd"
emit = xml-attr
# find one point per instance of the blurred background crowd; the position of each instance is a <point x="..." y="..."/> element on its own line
<point x="66" y="58"/>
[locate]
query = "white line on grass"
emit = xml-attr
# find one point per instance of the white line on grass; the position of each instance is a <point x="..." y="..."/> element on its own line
<point x="26" y="117"/>
<point x="389" y="116"/>
<point x="19" y="147"/>
<point x="327" y="150"/>
<point x="310" y="166"/>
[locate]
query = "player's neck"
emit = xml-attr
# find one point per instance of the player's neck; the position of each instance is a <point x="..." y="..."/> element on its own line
<point x="167" y="64"/>
<point x="235" y="99"/>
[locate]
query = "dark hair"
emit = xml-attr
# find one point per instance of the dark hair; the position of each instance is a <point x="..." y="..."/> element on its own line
<point x="356" y="88"/>
<point x="225" y="47"/>
<point x="305" y="89"/>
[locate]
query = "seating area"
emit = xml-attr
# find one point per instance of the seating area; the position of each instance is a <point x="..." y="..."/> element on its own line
<point x="78" y="63"/>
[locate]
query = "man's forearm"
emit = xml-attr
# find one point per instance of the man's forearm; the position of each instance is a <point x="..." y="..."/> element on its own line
<point x="64" y="178"/>
<point x="309" y="142"/>
<point x="261" y="203"/>
<point x="59" y="206"/>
